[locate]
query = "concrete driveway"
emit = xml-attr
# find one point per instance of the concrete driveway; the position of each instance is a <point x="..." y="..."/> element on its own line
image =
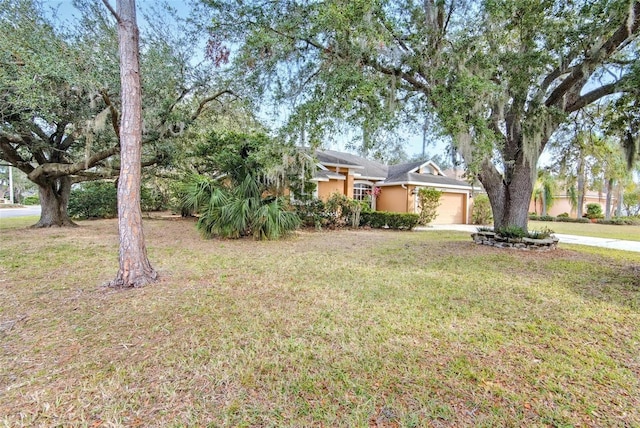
<point x="20" y="212"/>
<point x="616" y="244"/>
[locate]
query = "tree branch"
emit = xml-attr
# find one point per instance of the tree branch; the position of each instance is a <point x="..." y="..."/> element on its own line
<point x="54" y="170"/>
<point x="10" y="154"/>
<point x="592" y="96"/>
<point x="112" y="10"/>
<point x="595" y="57"/>
<point x="207" y="100"/>
<point x="115" y="115"/>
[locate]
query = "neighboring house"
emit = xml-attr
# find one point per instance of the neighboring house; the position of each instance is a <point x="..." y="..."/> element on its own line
<point x="356" y="177"/>
<point x="562" y="204"/>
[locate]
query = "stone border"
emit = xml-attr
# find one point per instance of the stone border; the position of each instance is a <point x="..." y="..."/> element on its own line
<point x="494" y="240"/>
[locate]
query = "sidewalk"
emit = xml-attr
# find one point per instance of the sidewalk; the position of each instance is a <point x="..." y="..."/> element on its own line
<point x="615" y="244"/>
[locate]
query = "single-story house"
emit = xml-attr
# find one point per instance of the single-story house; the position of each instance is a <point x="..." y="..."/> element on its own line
<point x="358" y="178"/>
<point x="562" y="204"/>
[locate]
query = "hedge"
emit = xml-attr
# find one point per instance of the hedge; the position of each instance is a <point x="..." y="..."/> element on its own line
<point x="382" y="219"/>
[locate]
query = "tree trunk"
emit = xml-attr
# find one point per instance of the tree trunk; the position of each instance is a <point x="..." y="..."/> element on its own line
<point x="581" y="188"/>
<point x="607" y="210"/>
<point x="509" y="199"/>
<point x="54" y="199"/>
<point x="620" y="196"/>
<point x="135" y="268"/>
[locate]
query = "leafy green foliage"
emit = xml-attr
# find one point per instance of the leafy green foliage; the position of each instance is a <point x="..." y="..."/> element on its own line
<point x="621" y="221"/>
<point x="383" y="219"/>
<point x="481" y="211"/>
<point x="234" y="155"/>
<point x="594" y="211"/>
<point x="543" y="233"/>
<point x="31" y="200"/>
<point x="428" y="203"/>
<point x="572" y="220"/>
<point x="94" y="200"/>
<point x="239" y="211"/>
<point x="99" y="199"/>
<point x="631" y="201"/>
<point x="313" y="213"/>
<point x="342" y="210"/>
<point x="246" y="196"/>
<point x="513" y="232"/>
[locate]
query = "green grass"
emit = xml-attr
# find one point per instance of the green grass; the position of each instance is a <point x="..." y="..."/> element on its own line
<point x="630" y="233"/>
<point x="16" y="222"/>
<point x="366" y="328"/>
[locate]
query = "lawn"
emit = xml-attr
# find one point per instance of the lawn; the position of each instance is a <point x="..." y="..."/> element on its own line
<point x="348" y="328"/>
<point x="629" y="233"/>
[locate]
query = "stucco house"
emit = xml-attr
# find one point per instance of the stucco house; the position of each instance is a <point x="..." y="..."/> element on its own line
<point x="357" y="177"/>
<point x="562" y="203"/>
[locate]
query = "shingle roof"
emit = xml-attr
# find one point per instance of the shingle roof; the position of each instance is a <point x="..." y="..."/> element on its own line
<point x="334" y="158"/>
<point x="326" y="175"/>
<point x="367" y="168"/>
<point x="402" y="169"/>
<point x="413" y="177"/>
<point x="383" y="174"/>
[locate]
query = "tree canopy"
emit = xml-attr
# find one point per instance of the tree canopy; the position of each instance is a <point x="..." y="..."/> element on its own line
<point x="500" y="75"/>
<point x="60" y="104"/>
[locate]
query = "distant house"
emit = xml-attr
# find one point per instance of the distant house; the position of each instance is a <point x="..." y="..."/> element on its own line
<point x="357" y="178"/>
<point x="562" y="203"/>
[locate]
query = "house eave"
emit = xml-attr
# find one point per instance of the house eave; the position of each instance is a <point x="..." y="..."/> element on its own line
<point x="414" y="183"/>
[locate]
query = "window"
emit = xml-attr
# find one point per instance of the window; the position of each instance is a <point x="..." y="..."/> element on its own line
<point x="362" y="192"/>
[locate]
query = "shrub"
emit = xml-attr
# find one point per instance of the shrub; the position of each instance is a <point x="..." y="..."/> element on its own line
<point x="621" y="221"/>
<point x="594" y="211"/>
<point x="312" y="213"/>
<point x="151" y="199"/>
<point x="481" y="212"/>
<point x="240" y="211"/>
<point x="572" y="220"/>
<point x="428" y="202"/>
<point x="563" y="215"/>
<point x="97" y="199"/>
<point x="31" y="200"/>
<point x="380" y="219"/>
<point x="342" y="210"/>
<point x="544" y="233"/>
<point x="546" y="218"/>
<point x="512" y="232"/>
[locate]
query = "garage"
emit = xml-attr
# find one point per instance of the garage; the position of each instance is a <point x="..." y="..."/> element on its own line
<point x="452" y="209"/>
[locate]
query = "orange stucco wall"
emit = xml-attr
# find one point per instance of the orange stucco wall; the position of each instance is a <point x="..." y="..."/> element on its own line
<point x="327" y="188"/>
<point x="561" y="205"/>
<point x="348" y="186"/>
<point x="394" y="199"/>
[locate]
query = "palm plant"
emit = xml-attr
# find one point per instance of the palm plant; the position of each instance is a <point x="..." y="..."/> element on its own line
<point x="544" y="189"/>
<point x="234" y="212"/>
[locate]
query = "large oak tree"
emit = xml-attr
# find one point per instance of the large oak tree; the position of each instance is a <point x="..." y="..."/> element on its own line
<point x="500" y="75"/>
<point x="60" y="109"/>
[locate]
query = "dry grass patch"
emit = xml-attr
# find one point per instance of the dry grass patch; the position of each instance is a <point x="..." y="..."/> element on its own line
<point x="365" y="328"/>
